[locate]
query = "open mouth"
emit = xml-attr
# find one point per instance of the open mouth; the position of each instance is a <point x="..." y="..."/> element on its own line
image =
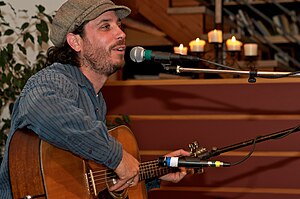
<point x="120" y="48"/>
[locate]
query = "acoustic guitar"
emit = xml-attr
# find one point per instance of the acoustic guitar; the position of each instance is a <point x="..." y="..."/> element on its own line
<point x="40" y="170"/>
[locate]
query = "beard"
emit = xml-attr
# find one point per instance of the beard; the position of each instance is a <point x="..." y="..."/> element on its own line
<point x="99" y="60"/>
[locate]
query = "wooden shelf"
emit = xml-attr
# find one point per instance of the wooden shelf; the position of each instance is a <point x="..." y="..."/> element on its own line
<point x="262" y="64"/>
<point x="279" y="39"/>
<point x="187" y="10"/>
<point x="259" y="2"/>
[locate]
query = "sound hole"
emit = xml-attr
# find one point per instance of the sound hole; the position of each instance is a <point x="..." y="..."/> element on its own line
<point x="111" y="179"/>
<point x="105" y="194"/>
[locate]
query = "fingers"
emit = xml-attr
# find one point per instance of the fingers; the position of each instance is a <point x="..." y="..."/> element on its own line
<point x="179" y="152"/>
<point x="177" y="176"/>
<point x="174" y="177"/>
<point x="124" y="183"/>
<point x="127" y="171"/>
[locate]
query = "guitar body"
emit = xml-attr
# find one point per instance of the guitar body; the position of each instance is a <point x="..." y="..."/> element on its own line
<point x="39" y="169"/>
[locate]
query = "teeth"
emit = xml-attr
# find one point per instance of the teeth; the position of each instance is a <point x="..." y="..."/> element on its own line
<point x="120" y="49"/>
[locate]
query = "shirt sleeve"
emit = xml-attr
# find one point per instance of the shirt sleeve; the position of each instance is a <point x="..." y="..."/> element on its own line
<point x="152" y="183"/>
<point x="49" y="105"/>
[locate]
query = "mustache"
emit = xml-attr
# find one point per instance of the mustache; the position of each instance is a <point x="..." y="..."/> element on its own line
<point x="118" y="43"/>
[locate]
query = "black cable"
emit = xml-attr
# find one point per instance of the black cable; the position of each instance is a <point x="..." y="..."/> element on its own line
<point x="254" y="145"/>
<point x="249" y="154"/>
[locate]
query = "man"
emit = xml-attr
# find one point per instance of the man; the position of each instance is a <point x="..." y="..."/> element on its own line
<point x="63" y="104"/>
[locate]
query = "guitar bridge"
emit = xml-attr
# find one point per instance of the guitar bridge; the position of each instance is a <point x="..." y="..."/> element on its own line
<point x="100" y="180"/>
<point x="92" y="183"/>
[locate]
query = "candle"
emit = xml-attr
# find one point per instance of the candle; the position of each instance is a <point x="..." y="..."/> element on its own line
<point x="233" y="44"/>
<point x="215" y="36"/>
<point x="197" y="45"/>
<point x="180" y="50"/>
<point x="250" y="49"/>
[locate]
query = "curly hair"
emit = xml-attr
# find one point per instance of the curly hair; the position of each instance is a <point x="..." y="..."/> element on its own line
<point x="65" y="54"/>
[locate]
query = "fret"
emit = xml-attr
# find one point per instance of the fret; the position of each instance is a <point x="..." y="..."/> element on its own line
<point x="152" y="169"/>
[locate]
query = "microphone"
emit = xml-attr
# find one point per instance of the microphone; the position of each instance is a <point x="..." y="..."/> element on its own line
<point x="139" y="54"/>
<point x="189" y="162"/>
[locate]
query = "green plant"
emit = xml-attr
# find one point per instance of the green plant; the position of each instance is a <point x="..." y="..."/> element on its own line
<point x="117" y="120"/>
<point x="30" y="35"/>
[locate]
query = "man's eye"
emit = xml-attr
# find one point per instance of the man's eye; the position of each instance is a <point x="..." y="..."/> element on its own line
<point x="105" y="26"/>
<point x="121" y="26"/>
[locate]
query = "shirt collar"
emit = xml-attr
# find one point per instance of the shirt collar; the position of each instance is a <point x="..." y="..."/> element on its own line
<point x="75" y="74"/>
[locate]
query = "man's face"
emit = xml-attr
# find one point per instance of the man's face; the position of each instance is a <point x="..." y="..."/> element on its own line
<point x="103" y="44"/>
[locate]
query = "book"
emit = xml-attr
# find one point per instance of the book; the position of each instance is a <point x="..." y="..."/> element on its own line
<point x="285" y="23"/>
<point x="277" y="24"/>
<point x="293" y="25"/>
<point x="245" y="19"/>
<point x="261" y="27"/>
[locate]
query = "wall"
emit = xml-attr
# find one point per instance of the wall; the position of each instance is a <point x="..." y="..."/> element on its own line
<point x="167" y="115"/>
<point x="6" y="11"/>
<point x="51" y="6"/>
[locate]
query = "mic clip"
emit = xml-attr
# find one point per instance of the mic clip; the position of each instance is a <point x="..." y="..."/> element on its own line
<point x="252" y="76"/>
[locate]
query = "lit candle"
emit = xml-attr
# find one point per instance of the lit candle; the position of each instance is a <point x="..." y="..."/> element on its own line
<point x="180" y="50"/>
<point x="233" y="44"/>
<point x="197" y="45"/>
<point x="215" y="36"/>
<point x="250" y="49"/>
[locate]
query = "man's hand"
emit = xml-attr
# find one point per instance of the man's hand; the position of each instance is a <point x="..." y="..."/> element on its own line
<point x="176" y="177"/>
<point x="127" y="171"/>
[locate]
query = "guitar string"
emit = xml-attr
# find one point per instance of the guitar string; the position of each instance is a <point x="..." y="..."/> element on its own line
<point x="143" y="174"/>
<point x="142" y="165"/>
<point x="146" y="168"/>
<point x="102" y="180"/>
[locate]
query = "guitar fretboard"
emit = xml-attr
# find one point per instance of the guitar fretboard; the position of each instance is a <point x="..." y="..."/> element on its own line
<point x="152" y="169"/>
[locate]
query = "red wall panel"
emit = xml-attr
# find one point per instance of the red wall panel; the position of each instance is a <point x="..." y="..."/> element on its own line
<point x="167" y="116"/>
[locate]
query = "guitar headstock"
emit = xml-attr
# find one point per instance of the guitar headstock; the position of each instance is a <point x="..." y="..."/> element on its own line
<point x="196" y="151"/>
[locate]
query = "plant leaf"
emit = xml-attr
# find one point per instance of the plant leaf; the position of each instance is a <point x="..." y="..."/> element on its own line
<point x="3" y="58"/>
<point x="41" y="8"/>
<point x="25" y="25"/>
<point x="40" y="40"/>
<point x="18" y="67"/>
<point x="27" y="36"/>
<point x="10" y="48"/>
<point x="42" y="27"/>
<point x="5" y="24"/>
<point x="9" y="32"/>
<point x="49" y="18"/>
<point x="126" y="119"/>
<point x="22" y="49"/>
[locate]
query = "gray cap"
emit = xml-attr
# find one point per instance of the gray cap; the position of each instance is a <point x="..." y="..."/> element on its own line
<point x="74" y="12"/>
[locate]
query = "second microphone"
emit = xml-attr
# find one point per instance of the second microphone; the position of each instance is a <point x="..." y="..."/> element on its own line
<point x="189" y="162"/>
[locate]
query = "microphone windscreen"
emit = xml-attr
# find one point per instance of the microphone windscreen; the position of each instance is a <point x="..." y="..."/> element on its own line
<point x="137" y="54"/>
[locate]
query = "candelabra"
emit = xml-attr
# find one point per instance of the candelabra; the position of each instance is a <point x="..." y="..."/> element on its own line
<point x="228" y="56"/>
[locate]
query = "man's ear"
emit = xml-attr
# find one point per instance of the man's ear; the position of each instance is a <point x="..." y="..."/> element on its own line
<point x="74" y="41"/>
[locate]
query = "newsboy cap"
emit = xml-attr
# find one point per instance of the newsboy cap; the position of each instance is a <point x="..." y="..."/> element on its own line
<point x="74" y="12"/>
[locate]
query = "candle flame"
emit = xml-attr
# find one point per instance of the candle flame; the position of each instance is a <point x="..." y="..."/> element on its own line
<point x="233" y="39"/>
<point x="197" y="40"/>
<point x="181" y="46"/>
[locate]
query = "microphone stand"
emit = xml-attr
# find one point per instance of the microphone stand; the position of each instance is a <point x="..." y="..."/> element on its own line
<point x="217" y="151"/>
<point x="252" y="74"/>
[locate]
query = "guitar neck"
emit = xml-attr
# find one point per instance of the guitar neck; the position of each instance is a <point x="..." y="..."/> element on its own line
<point x="152" y="169"/>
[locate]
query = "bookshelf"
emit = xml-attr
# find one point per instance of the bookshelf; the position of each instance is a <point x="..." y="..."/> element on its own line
<point x="257" y="2"/>
<point x="274" y="25"/>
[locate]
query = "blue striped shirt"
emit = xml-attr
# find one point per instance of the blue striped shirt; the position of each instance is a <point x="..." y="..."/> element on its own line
<point x="60" y="104"/>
